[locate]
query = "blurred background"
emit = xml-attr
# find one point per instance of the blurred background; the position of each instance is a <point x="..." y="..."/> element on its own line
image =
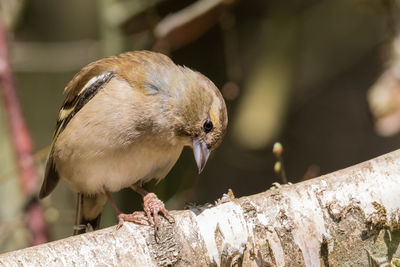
<point x="318" y="76"/>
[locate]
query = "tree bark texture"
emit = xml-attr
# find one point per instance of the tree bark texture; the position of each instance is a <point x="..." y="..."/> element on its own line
<point x="346" y="218"/>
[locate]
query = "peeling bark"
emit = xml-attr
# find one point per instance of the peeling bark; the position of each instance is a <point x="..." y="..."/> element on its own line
<point x="346" y="218"/>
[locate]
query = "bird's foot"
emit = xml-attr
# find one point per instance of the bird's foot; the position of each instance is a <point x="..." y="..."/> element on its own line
<point x="152" y="206"/>
<point x="136" y="217"/>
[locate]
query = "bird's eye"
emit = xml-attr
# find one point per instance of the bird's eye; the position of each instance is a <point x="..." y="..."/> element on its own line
<point x="208" y="126"/>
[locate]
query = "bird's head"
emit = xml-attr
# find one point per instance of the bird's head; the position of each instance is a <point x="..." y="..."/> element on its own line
<point x="203" y="116"/>
<point x="193" y="109"/>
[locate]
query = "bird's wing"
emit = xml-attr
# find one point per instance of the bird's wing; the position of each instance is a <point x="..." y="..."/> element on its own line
<point x="83" y="87"/>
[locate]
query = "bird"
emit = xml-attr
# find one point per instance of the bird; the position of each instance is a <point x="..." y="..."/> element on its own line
<point x="125" y="121"/>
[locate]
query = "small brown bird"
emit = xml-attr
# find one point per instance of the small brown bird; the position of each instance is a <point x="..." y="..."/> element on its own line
<point x="125" y="120"/>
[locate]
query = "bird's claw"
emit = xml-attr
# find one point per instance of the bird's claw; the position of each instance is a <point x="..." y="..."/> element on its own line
<point x="152" y="206"/>
<point x="136" y="217"/>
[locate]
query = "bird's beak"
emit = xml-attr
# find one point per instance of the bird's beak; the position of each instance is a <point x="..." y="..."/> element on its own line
<point x="201" y="153"/>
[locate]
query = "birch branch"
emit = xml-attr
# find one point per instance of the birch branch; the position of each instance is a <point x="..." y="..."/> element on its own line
<point x="346" y="218"/>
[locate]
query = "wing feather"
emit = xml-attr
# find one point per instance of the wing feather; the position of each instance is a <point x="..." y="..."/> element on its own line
<point x="77" y="97"/>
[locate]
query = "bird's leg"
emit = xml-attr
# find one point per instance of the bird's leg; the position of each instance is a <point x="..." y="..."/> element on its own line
<point x="152" y="206"/>
<point x="136" y="217"/>
<point x="116" y="209"/>
<point x="79" y="228"/>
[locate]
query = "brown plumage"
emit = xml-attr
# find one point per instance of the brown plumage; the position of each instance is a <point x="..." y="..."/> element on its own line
<point x="125" y="120"/>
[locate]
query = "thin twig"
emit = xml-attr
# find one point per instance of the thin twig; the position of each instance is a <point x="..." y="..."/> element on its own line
<point x="22" y="144"/>
<point x="37" y="158"/>
<point x="279" y="167"/>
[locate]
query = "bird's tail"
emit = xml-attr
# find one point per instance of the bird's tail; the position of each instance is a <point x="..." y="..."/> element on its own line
<point x="88" y="212"/>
